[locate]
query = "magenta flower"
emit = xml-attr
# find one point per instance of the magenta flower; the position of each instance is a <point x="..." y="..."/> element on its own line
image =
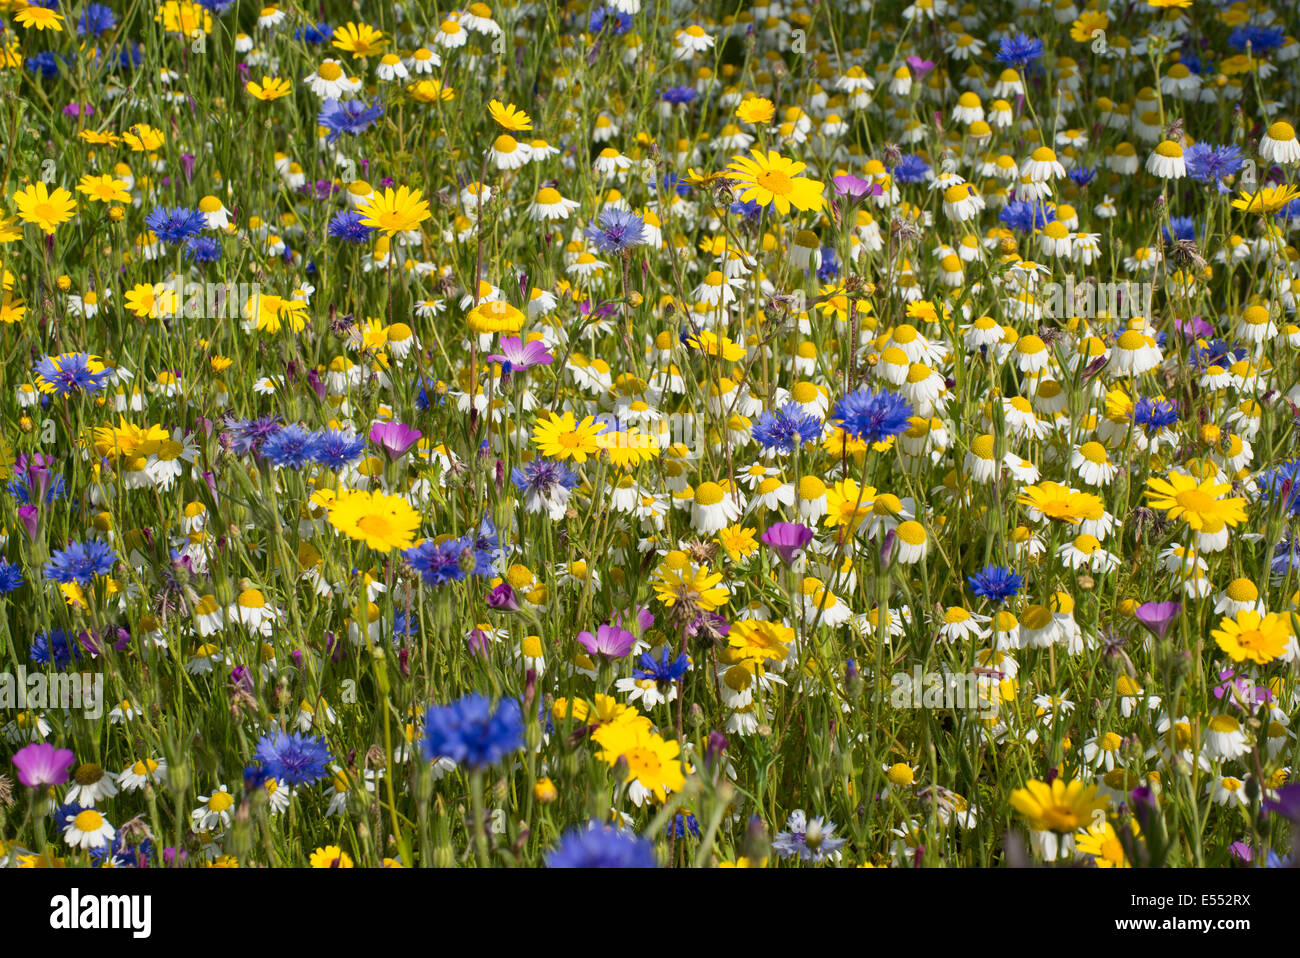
<point x="42" y="764"/>
<point x="27" y="515"/>
<point x="787" y="539"/>
<point x="521" y="355"/>
<point x="609" y="641"/>
<point x="920" y="67"/>
<point x="395" y="437"/>
<point x="1194" y="327"/>
<point x="503" y="597"/>
<point x="1158" y="616"/>
<point x="641" y="620"/>
<point x="854" y="187"/>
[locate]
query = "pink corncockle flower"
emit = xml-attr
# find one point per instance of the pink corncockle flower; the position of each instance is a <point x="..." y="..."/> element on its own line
<point x="787" y="539"/>
<point x="609" y="641"/>
<point x="920" y="67"/>
<point x="521" y="355"/>
<point x="395" y="437"/>
<point x="1194" y="327"/>
<point x="1158" y="616"/>
<point x="42" y="764"/>
<point x="854" y="187"/>
<point x="31" y="521"/>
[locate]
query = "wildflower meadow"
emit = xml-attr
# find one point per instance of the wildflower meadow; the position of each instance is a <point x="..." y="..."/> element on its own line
<point x="649" y="433"/>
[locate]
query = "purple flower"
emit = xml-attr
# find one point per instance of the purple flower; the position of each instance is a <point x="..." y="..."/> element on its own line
<point x="1287" y="803"/>
<point x="503" y="597"/>
<point x="1194" y="327"/>
<point x="787" y="539"/>
<point x="395" y="437"/>
<point x="920" y="67"/>
<point x="854" y="187"/>
<point x="43" y="764"/>
<point x="609" y="641"/>
<point x="520" y="355"/>
<point x="1158" y="616"/>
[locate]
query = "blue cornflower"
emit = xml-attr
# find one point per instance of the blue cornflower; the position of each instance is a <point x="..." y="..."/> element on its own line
<point x="1155" y="414"/>
<point x="1210" y="164"/>
<point x="132" y="56"/>
<point x="675" y="183"/>
<point x="248" y="435"/>
<point x="175" y="225"/>
<point x="216" y="6"/>
<point x="912" y="168"/>
<point x="601" y="846"/>
<point x="293" y="446"/>
<point x="749" y="209"/>
<point x="405" y="628"/>
<point x="544" y="483"/>
<point x="1216" y="353"/>
<point x="662" y="669"/>
<point x="1184" y="228"/>
<point x="336" y="448"/>
<point x="255" y="777"/>
<point x="1082" y="175"/>
<point x="619" y="230"/>
<point x="69" y="373"/>
<point x="96" y="19"/>
<point x="80" y="563"/>
<point x="1025" y="216"/>
<point x="1020" y="50"/>
<point x="830" y="265"/>
<point x="21" y="488"/>
<point x="203" y="249"/>
<point x="55" y="648"/>
<point x="11" y="577"/>
<point x="678" y="94"/>
<point x="294" y="759"/>
<point x="348" y="116"/>
<point x="1286" y="557"/>
<point x="684" y="824"/>
<point x="872" y="416"/>
<point x="347" y="226"/>
<point x="470" y="732"/>
<point x="1260" y="39"/>
<point x="118" y="854"/>
<point x="46" y="63"/>
<point x="995" y="583"/>
<point x="787" y="428"/>
<point x="320" y="33"/>
<point x="1281" y="483"/>
<point x="603" y="18"/>
<point x="811" y="840"/>
<point x="448" y="561"/>
<point x="1289" y="212"/>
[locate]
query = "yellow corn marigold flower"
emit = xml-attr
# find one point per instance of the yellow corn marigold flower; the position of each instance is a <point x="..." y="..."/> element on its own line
<point x="36" y="204"/>
<point x="1062" y="807"/>
<point x="771" y="180"/>
<point x="509" y="116"/>
<point x="394" y="211"/>
<point x="359" y="39"/>
<point x="331" y="856"/>
<point x="1196" y="502"/>
<point x="380" y="521"/>
<point x="271" y="88"/>
<point x="563" y="437"/>
<point x="1249" y="635"/>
